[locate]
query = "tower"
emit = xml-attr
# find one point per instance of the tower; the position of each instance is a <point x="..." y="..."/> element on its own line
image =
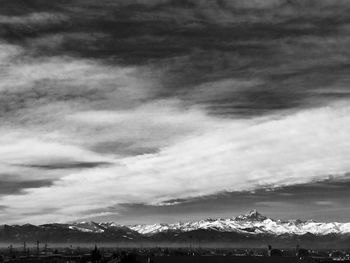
<point x="37" y="247"/>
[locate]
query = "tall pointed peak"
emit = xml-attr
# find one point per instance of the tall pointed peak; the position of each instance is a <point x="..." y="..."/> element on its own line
<point x="253" y="215"/>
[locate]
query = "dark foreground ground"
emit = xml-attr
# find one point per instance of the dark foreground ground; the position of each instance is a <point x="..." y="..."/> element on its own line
<point x="236" y="259"/>
<point x="70" y="254"/>
<point x="183" y="259"/>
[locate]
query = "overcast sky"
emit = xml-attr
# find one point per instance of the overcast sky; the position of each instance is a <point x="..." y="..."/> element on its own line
<point x="145" y="111"/>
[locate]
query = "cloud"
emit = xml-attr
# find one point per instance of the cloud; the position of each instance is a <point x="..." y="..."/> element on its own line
<point x="73" y="165"/>
<point x="143" y="128"/>
<point x="290" y="59"/>
<point x="42" y="91"/>
<point x="97" y="30"/>
<point x="33" y="19"/>
<point x="325" y="203"/>
<point x="10" y="187"/>
<point x="30" y="151"/>
<point x="238" y="156"/>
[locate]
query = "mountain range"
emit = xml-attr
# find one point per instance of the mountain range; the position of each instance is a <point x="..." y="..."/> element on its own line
<point x="251" y="229"/>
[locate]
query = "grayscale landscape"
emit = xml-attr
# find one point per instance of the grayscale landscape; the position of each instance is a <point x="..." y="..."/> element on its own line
<point x="174" y="131"/>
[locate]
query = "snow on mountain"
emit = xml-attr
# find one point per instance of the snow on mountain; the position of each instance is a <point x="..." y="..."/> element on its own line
<point x="251" y="223"/>
<point x="93" y="227"/>
<point x="90" y="227"/>
<point x="253" y="215"/>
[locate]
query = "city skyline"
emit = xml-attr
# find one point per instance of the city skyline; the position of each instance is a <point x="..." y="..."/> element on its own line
<point x="148" y="111"/>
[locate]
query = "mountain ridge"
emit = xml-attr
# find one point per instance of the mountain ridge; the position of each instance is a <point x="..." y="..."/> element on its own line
<point x="251" y="228"/>
<point x="251" y="221"/>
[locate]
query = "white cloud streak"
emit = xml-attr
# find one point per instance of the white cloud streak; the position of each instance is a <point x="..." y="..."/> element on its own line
<point x="34" y="19"/>
<point x="233" y="155"/>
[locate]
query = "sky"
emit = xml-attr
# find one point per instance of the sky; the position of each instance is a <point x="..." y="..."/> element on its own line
<point x="147" y="111"/>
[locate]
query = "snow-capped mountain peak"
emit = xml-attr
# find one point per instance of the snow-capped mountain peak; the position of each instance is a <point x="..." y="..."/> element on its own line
<point x="253" y="215"/>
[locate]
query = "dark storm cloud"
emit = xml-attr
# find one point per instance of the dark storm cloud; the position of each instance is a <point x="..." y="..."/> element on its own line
<point x="139" y="32"/>
<point x="11" y="186"/>
<point x="43" y="92"/>
<point x="294" y="49"/>
<point x="72" y="165"/>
